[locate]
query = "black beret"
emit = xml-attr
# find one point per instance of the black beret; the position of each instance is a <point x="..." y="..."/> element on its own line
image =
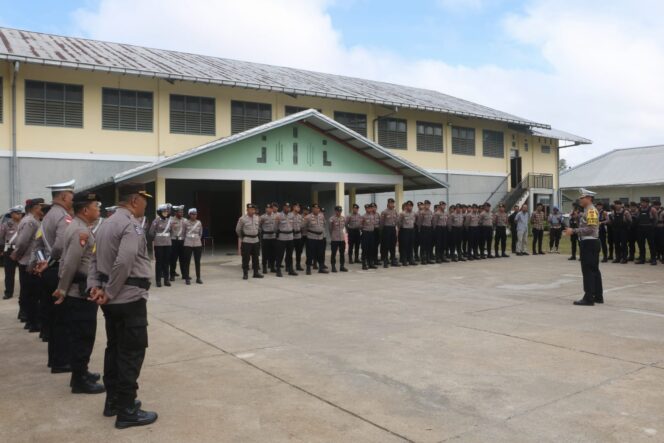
<point x="251" y="205"/>
<point x="390" y="200"/>
<point x="356" y="206"/>
<point x="338" y="208"/>
<point x="315" y="205"/>
<point x="427" y="202"/>
<point x="131" y="188"/>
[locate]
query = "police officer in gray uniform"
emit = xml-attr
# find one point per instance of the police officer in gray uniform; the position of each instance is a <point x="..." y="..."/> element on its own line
<point x="425" y="225"/>
<point x="314" y="225"/>
<point x="388" y="234"/>
<point x="177" y="241"/>
<point x="119" y="281"/>
<point x="283" y="223"/>
<point x="338" y="240"/>
<point x="298" y="242"/>
<point x="268" y="238"/>
<point x="160" y="232"/>
<point x="78" y="246"/>
<point x="406" y="225"/>
<point x="8" y="234"/>
<point x="353" y="227"/>
<point x="588" y="232"/>
<point x="247" y="230"/>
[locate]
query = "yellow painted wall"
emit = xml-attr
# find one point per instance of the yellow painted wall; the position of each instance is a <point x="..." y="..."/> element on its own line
<point x="5" y="125"/>
<point x="92" y="139"/>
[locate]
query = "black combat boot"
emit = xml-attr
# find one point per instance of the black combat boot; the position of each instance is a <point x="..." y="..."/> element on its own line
<point x="134" y="416"/>
<point x="395" y="263"/>
<point x="291" y="272"/>
<point x="199" y="281"/>
<point x="81" y="384"/>
<point x="158" y="283"/>
<point x="257" y="274"/>
<point x="245" y="275"/>
<point x="167" y="282"/>
<point x="308" y="272"/>
<point x="342" y="268"/>
<point x="279" y="274"/>
<point x="334" y="267"/>
<point x="111" y="410"/>
<point x="264" y="269"/>
<point x="364" y="265"/>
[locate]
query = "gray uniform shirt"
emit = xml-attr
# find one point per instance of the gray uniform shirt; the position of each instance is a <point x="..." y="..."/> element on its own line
<point x="407" y="220"/>
<point x="353" y="221"/>
<point x="53" y="227"/>
<point x="388" y="217"/>
<point x="284" y="226"/>
<point x="8" y="234"/>
<point x="368" y="222"/>
<point x="425" y="218"/>
<point x="501" y="219"/>
<point x="315" y="226"/>
<point x="79" y="242"/>
<point x="192" y="232"/>
<point x="297" y="225"/>
<point x="456" y="220"/>
<point x="121" y="252"/>
<point x="337" y="225"/>
<point x="160" y="231"/>
<point x="25" y="239"/>
<point x="248" y="228"/>
<point x="588" y="224"/>
<point x="267" y="226"/>
<point x="486" y="219"/>
<point x="177" y="228"/>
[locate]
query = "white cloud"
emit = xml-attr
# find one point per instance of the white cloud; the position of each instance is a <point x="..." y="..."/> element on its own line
<point x="606" y="58"/>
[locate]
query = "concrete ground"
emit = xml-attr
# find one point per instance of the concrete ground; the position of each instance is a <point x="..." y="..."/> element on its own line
<point x="470" y="352"/>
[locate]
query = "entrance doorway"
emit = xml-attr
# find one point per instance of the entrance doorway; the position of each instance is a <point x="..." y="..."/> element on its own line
<point x="515" y="168"/>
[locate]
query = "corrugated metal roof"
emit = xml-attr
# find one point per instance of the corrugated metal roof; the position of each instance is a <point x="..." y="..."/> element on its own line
<point x="34" y="47"/>
<point x="414" y="177"/>
<point x="621" y="167"/>
<point x="561" y="135"/>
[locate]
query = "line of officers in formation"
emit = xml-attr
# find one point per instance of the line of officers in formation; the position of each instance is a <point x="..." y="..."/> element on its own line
<point x="423" y="236"/>
<point x="70" y="262"/>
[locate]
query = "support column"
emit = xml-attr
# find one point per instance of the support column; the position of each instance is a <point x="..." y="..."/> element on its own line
<point x="160" y="191"/>
<point x="398" y="196"/>
<point x="340" y="192"/>
<point x="314" y="196"/>
<point x="352" y="196"/>
<point x="246" y="195"/>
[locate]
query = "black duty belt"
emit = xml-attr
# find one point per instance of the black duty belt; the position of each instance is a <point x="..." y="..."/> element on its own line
<point x="286" y="232"/>
<point x="407" y="229"/>
<point x="250" y="236"/>
<point x="353" y="229"/>
<point x="268" y="232"/>
<point x="389" y="226"/>
<point x="425" y="227"/>
<point x="314" y="232"/>
<point x="143" y="283"/>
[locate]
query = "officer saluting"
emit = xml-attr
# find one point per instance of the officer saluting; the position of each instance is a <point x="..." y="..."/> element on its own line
<point x="588" y="232"/>
<point x="247" y="230"/>
<point x="119" y="280"/>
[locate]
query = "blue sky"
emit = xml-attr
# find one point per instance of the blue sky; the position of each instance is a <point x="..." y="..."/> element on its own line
<point x="590" y="67"/>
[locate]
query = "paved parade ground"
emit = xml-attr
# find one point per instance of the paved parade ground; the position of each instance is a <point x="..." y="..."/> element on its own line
<point x="491" y="351"/>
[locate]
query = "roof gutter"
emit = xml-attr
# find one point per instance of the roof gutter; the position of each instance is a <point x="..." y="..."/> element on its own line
<point x="13" y="166"/>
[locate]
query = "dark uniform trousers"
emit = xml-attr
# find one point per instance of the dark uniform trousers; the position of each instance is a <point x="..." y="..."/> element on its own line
<point x="426" y="243"/>
<point x="388" y="244"/>
<point x="162" y="257"/>
<point x="554" y="237"/>
<point x="354" y="244"/>
<point x="473" y="241"/>
<point x="367" y="246"/>
<point x="416" y="242"/>
<point x="249" y="251"/>
<point x="10" y="274"/>
<point x="126" y="341"/>
<point x="631" y="240"/>
<point x="59" y="349"/>
<point x="338" y="246"/>
<point x="298" y="246"/>
<point x="646" y="235"/>
<point x="440" y="234"/>
<point x="592" y="278"/>
<point x="269" y="252"/>
<point x="538" y="237"/>
<point x="574" y="239"/>
<point x="515" y="238"/>
<point x="177" y="255"/>
<point x="196" y="251"/>
<point x="406" y="245"/>
<point x="315" y="252"/>
<point x="29" y="295"/>
<point x="620" y="235"/>
<point x="285" y="248"/>
<point x="376" y="244"/>
<point x="487" y="238"/>
<point x="82" y="317"/>
<point x="457" y="241"/>
<point x="602" y="240"/>
<point x="609" y="239"/>
<point x="659" y="240"/>
<point x="500" y="239"/>
<point x="465" y="240"/>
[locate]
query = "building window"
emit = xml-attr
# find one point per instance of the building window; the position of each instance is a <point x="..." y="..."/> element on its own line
<point x="126" y="110"/>
<point x="429" y="137"/>
<point x="463" y="140"/>
<point x="247" y="115"/>
<point x="624" y="200"/>
<point x="356" y="122"/>
<point x="1" y="97"/>
<point x="492" y="144"/>
<point x="605" y="201"/>
<point x="652" y="199"/>
<point x="393" y="133"/>
<point x="290" y="110"/>
<point x="192" y="115"/>
<point x="53" y="104"/>
<point x="546" y="149"/>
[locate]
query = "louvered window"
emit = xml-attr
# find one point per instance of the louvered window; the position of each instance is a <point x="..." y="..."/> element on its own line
<point x="429" y="137"/>
<point x="493" y="144"/>
<point x="247" y="115"/>
<point x="356" y="122"/>
<point x="192" y="115"/>
<point x="125" y="110"/>
<point x="392" y="133"/>
<point x="53" y="104"/>
<point x="546" y="149"/>
<point x="463" y="140"/>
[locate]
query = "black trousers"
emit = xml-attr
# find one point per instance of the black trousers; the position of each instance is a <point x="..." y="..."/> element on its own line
<point x="457" y="240"/>
<point x="440" y="234"/>
<point x="646" y="235"/>
<point x="538" y="237"/>
<point x="367" y="247"/>
<point x="249" y="251"/>
<point x="515" y="238"/>
<point x="315" y="252"/>
<point x="574" y="239"/>
<point x="631" y="240"/>
<point x="426" y="243"/>
<point x="376" y="244"/>
<point x="465" y="240"/>
<point x="29" y="295"/>
<point x="487" y="236"/>
<point x="338" y="246"/>
<point x="59" y="346"/>
<point x="554" y="237"/>
<point x="285" y="249"/>
<point x="162" y="257"/>
<point x="298" y="246"/>
<point x="388" y="244"/>
<point x="82" y="317"/>
<point x="126" y="341"/>
<point x="620" y="243"/>
<point x="659" y="240"/>
<point x="354" y="243"/>
<point x="177" y="255"/>
<point x="10" y="275"/>
<point x="473" y="241"/>
<point x="269" y="252"/>
<point x="500" y="239"/>
<point x="196" y="251"/>
<point x="602" y="240"/>
<point x="406" y="244"/>
<point x="416" y="242"/>
<point x="609" y="239"/>
<point x="592" y="278"/>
